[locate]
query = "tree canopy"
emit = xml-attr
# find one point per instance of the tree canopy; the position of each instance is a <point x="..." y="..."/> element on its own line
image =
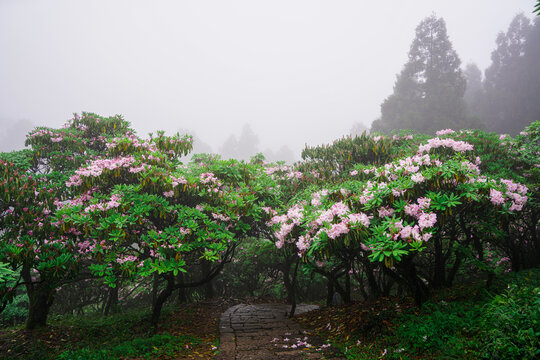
<point x="428" y="94"/>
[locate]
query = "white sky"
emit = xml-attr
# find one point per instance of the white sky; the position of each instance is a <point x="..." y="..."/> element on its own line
<point x="297" y="71"/>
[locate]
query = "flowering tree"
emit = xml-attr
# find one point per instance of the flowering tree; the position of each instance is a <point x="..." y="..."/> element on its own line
<point x="93" y="199"/>
<point x="515" y="235"/>
<point x="425" y="203"/>
<point x="142" y="212"/>
<point x="32" y="186"/>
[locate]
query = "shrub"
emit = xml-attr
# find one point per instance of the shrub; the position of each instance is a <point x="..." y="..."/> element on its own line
<point x="513" y="322"/>
<point x="15" y="312"/>
<point x="443" y="327"/>
<point x="146" y="348"/>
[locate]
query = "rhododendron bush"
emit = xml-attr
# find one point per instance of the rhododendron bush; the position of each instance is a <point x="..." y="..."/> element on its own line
<point x="435" y="202"/>
<point x="141" y="211"/>
<point x="373" y="215"/>
<point x="32" y="187"/>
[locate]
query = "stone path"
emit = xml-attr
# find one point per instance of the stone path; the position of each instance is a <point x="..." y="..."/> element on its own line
<point x="264" y="332"/>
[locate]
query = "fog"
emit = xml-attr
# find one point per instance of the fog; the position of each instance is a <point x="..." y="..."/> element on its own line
<point x="296" y="72"/>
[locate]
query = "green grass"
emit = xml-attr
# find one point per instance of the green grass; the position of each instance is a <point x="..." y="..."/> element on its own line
<point x="157" y="346"/>
<point x="467" y="322"/>
<point x="96" y="337"/>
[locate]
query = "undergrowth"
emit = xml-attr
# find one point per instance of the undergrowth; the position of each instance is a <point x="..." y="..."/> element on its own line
<point x="465" y="322"/>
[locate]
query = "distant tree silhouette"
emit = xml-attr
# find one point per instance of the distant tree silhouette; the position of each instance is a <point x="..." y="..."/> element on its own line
<point x="474" y="93"/>
<point x="242" y="148"/>
<point x="358" y="129"/>
<point x="284" y="153"/>
<point x="14" y="135"/>
<point x="199" y="146"/>
<point x="248" y="143"/>
<point x="512" y="81"/>
<point x="229" y="149"/>
<point x="428" y="94"/>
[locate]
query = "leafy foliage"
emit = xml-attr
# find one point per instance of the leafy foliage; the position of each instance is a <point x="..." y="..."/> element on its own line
<point x="512" y="323"/>
<point x="428" y="94"/>
<point x="157" y="346"/>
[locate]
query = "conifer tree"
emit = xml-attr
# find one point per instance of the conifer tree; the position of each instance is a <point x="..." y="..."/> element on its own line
<point x="507" y="80"/>
<point x="428" y="94"/>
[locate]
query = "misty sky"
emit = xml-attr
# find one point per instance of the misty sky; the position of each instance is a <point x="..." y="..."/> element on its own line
<point x="297" y="71"/>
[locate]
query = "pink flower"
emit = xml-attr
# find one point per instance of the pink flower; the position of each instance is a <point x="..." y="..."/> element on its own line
<point x="180" y="180"/>
<point x="220" y="217"/>
<point x="135" y="170"/>
<point x="415" y="232"/>
<point x="339" y="208"/>
<point x="397" y="192"/>
<point x="417" y="178"/>
<point x="168" y="194"/>
<point x="423" y="203"/>
<point x="207" y="178"/>
<point x="324" y="217"/>
<point x="284" y="231"/>
<point x="412" y="210"/>
<point x="444" y="132"/>
<point x="496" y="197"/>
<point x="385" y="211"/>
<point x="427" y="220"/>
<point x="303" y="243"/>
<point x="405" y="233"/>
<point x="337" y="229"/>
<point x="411" y="169"/>
<point x="359" y="218"/>
<point x="459" y="146"/>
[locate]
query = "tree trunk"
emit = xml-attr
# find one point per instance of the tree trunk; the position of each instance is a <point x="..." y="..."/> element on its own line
<point x="440" y="266"/>
<point x="372" y="282"/>
<point x="287" y="279"/>
<point x="41" y="300"/>
<point x="330" y="290"/>
<point x="293" y="289"/>
<point x="453" y="271"/>
<point x="347" y="297"/>
<point x="182" y="293"/>
<point x="160" y="300"/>
<point x="416" y="286"/>
<point x="155" y="286"/>
<point x="40" y="296"/>
<point x="208" y="288"/>
<point x="535" y="240"/>
<point x="112" y="300"/>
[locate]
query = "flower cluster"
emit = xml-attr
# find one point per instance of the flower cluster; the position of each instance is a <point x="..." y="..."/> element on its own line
<point x="444" y="132"/>
<point x="413" y="222"/>
<point x="111" y="204"/>
<point x="96" y="168"/>
<point x="405" y="137"/>
<point x="514" y="192"/>
<point x="286" y="223"/>
<point x="458" y="146"/>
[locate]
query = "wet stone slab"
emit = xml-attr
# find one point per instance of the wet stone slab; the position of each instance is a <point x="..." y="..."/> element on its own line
<point x="265" y="332"/>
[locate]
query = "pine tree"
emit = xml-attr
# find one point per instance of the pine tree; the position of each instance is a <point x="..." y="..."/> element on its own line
<point x="428" y="94"/>
<point x="474" y="93"/>
<point x="507" y="79"/>
<point x="531" y="64"/>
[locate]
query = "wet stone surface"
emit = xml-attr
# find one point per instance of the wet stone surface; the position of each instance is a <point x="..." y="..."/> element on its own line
<point x="264" y="332"/>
